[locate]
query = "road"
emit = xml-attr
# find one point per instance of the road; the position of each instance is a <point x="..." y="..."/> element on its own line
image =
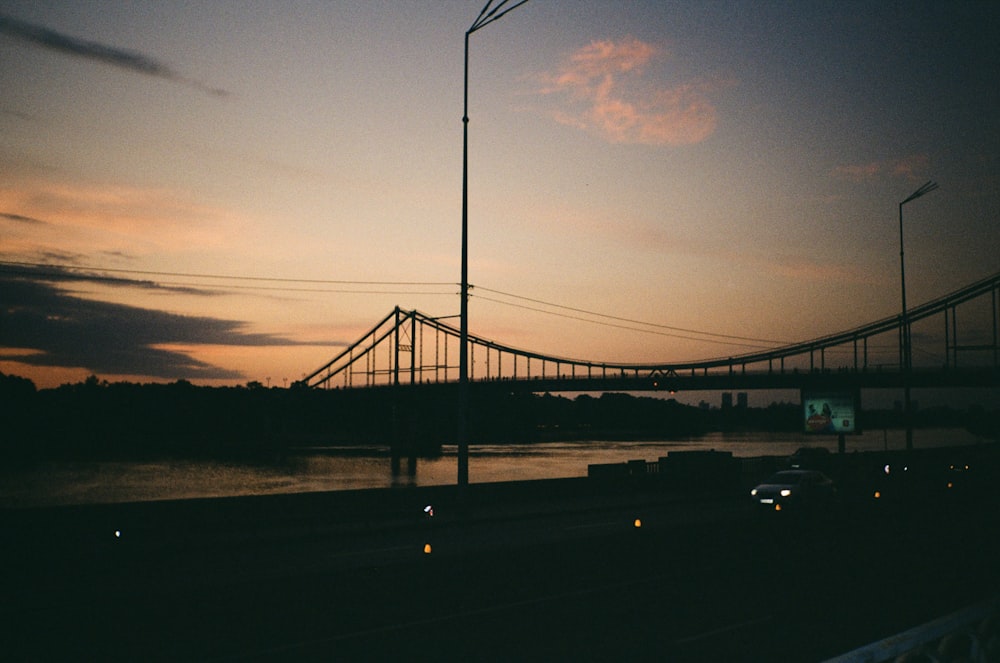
<point x="699" y="579"/>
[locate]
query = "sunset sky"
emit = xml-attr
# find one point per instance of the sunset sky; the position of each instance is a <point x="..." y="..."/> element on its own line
<point x="232" y="191"/>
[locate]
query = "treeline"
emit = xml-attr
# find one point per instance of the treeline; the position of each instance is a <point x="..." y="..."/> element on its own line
<point x="95" y="419"/>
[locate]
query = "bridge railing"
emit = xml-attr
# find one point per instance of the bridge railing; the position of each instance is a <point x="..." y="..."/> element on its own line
<point x="410" y="347"/>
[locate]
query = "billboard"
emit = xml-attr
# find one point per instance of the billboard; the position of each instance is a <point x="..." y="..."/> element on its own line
<point x="830" y="413"/>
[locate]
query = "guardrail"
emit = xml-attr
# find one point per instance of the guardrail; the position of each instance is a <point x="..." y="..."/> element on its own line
<point x="971" y="635"/>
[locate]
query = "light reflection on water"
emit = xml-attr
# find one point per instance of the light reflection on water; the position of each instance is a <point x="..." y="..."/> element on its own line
<point x="62" y="483"/>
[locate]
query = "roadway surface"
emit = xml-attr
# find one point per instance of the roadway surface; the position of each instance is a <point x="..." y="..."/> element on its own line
<point x="549" y="571"/>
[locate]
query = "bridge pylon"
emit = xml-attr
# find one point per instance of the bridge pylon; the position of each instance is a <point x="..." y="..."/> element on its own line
<point x="408" y="347"/>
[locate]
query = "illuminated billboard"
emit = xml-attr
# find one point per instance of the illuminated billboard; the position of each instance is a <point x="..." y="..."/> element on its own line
<point x="831" y="413"/>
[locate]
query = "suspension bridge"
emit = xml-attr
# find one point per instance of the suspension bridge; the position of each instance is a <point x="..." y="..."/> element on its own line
<point x="954" y="337"/>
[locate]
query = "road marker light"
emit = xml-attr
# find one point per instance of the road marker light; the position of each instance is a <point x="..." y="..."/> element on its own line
<point x="877" y="494"/>
<point x="427" y="549"/>
<point x="637" y="523"/>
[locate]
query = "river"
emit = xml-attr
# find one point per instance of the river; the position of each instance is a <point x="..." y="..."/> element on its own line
<point x="68" y="483"/>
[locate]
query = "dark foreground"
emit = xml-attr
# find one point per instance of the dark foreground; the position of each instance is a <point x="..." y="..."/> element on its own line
<point x="538" y="571"/>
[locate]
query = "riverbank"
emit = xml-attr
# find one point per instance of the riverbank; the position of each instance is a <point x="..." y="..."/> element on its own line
<point x="66" y="483"/>
<point x="634" y="567"/>
<point x="255" y="516"/>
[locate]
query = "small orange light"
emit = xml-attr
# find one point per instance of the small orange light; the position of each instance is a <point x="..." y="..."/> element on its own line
<point x="877" y="494"/>
<point x="950" y="484"/>
<point x="777" y="507"/>
<point x="427" y="549"/>
<point x="637" y="523"/>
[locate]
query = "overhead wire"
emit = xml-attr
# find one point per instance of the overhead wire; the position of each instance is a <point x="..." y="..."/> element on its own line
<point x="91" y="272"/>
<point x="617" y="326"/>
<point x="339" y="291"/>
<point x="232" y="277"/>
<point x="727" y="337"/>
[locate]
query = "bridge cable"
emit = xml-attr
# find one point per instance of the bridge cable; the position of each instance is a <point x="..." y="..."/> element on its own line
<point x="620" y="319"/>
<point x="617" y="326"/>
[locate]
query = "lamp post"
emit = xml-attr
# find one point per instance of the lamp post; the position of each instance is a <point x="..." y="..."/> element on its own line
<point x="488" y="15"/>
<point x="905" y="350"/>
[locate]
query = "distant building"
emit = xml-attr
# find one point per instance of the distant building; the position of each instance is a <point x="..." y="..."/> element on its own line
<point x="727" y="400"/>
<point x="741" y="400"/>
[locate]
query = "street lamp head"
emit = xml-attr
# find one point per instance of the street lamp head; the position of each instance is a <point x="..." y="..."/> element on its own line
<point x="488" y="15"/>
<point x="931" y="185"/>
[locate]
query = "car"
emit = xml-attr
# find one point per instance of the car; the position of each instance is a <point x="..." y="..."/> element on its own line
<point x="794" y="489"/>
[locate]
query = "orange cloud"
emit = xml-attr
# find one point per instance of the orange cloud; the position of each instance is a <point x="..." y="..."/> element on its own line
<point x="599" y="61"/>
<point x="93" y="217"/>
<point x="801" y="269"/>
<point x="913" y="167"/>
<point x="600" y="83"/>
<point x="858" y="172"/>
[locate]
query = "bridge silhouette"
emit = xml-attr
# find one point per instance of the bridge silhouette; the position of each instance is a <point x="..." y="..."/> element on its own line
<point x="953" y="339"/>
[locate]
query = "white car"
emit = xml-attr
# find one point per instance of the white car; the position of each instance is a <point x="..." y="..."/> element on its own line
<point x="794" y="488"/>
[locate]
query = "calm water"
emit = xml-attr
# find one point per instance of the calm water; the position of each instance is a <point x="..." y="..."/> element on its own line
<point x="63" y="483"/>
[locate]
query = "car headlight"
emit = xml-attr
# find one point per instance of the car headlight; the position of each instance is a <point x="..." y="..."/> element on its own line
<point x="785" y="492"/>
<point x="753" y="492"/>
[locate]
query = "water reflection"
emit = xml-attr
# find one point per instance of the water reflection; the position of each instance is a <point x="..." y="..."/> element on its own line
<point x="60" y="483"/>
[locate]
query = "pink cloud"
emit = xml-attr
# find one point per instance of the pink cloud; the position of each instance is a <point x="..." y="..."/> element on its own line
<point x="599" y="82"/>
<point x="911" y="167"/>
<point x="858" y="172"/>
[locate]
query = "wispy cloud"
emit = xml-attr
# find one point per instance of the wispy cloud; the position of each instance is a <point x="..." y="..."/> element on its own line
<point x="88" y="217"/>
<point x="13" y="113"/>
<point x="20" y="218"/>
<point x="43" y="37"/>
<point x="602" y="90"/>
<point x="41" y="325"/>
<point x="913" y="167"/>
<point x="54" y="273"/>
<point x="801" y="269"/>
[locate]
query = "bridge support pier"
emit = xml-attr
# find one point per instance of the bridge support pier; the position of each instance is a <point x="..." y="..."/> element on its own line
<point x="397" y="463"/>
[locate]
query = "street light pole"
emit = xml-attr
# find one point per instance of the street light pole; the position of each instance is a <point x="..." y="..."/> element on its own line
<point x="486" y="16"/>
<point x="905" y="349"/>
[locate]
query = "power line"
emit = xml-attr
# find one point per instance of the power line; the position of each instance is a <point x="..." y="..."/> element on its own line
<point x="617" y="326"/>
<point x="266" y="279"/>
<point x="80" y="272"/>
<point x="628" y="320"/>
<point x="339" y="291"/>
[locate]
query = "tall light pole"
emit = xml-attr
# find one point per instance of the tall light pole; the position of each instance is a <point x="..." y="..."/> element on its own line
<point x="905" y="350"/>
<point x="488" y="15"/>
